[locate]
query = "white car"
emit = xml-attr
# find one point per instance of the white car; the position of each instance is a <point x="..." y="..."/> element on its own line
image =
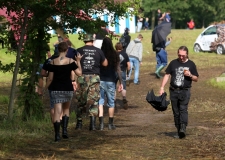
<point x="209" y="35"/>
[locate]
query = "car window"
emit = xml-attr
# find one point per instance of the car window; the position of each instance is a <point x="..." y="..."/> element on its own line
<point x="210" y="31"/>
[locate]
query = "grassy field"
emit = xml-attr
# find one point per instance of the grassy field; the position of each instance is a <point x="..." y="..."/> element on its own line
<point x="142" y="132"/>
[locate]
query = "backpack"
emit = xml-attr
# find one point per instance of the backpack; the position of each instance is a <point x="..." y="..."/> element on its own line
<point x="123" y="41"/>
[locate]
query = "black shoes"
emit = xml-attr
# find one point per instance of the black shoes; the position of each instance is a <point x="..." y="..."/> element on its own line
<point x="137" y="83"/>
<point x="125" y="104"/>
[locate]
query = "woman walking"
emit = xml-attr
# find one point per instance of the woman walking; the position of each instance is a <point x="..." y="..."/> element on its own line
<point x="108" y="76"/>
<point x="60" y="83"/>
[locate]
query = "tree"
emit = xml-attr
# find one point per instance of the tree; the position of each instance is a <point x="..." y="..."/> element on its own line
<point x="32" y="52"/>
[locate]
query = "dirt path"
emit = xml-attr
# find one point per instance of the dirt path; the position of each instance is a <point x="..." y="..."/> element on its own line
<point x="142" y="132"/>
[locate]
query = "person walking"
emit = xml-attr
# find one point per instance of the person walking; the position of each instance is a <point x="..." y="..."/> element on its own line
<point x="108" y="75"/>
<point x="102" y="33"/>
<point x="134" y="51"/>
<point x="124" y="66"/>
<point x="88" y="90"/>
<point x="160" y="16"/>
<point x="182" y="72"/>
<point x="167" y="16"/>
<point x="139" y="24"/>
<point x="125" y="38"/>
<point x="146" y="24"/>
<point x="60" y="83"/>
<point x="161" y="56"/>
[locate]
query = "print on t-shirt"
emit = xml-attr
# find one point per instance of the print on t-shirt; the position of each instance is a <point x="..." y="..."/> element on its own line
<point x="89" y="61"/>
<point x="179" y="80"/>
<point x="121" y="58"/>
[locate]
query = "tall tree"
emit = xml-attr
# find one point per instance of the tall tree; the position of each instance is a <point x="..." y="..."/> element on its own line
<point x="35" y="26"/>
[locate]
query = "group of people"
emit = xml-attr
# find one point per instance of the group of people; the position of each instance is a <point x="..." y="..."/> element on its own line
<point x="98" y="69"/>
<point x="163" y="16"/>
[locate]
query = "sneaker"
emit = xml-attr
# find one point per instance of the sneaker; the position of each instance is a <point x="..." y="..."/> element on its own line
<point x="128" y="83"/>
<point x="125" y="104"/>
<point x="137" y="83"/>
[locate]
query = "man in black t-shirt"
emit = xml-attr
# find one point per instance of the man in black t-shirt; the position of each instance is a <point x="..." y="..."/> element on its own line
<point x="102" y="33"/>
<point x="88" y="92"/>
<point x="182" y="71"/>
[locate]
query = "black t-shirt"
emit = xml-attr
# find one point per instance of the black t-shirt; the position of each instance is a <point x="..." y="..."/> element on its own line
<point x="123" y="60"/>
<point x="176" y="70"/>
<point x="159" y="16"/>
<point x="47" y="62"/>
<point x="107" y="73"/>
<point x="91" y="60"/>
<point x="101" y="34"/>
<point x="61" y="78"/>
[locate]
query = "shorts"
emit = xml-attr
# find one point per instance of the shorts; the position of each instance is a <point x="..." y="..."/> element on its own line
<point x="61" y="96"/>
<point x="108" y="89"/>
<point x="123" y="76"/>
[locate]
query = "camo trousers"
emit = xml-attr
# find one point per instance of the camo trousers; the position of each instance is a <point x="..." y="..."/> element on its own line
<point x="87" y="95"/>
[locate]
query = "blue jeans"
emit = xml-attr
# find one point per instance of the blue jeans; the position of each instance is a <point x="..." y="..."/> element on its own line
<point x="108" y="89"/>
<point x="161" y="58"/>
<point x="134" y="62"/>
<point x="139" y="26"/>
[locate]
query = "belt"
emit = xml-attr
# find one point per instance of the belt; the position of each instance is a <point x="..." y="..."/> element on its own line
<point x="178" y="89"/>
<point x="89" y="74"/>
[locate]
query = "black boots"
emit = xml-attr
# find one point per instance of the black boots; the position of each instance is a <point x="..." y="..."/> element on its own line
<point x="101" y="123"/>
<point x="111" y="125"/>
<point x="78" y="125"/>
<point x="57" y="128"/>
<point x="182" y="132"/>
<point x="65" y="121"/>
<point x="92" y="123"/>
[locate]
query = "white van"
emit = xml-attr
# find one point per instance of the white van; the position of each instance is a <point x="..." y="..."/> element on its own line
<point x="205" y="39"/>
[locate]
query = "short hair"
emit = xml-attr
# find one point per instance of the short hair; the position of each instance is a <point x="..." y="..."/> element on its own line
<point x="140" y="36"/>
<point x="68" y="42"/>
<point x="62" y="46"/>
<point x="119" y="46"/>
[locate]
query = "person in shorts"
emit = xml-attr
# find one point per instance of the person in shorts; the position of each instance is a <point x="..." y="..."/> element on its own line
<point x="124" y="66"/>
<point x="108" y="75"/>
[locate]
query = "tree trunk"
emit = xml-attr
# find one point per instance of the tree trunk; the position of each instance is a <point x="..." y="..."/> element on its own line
<point x="32" y="106"/>
<point x="13" y="88"/>
<point x="203" y="23"/>
<point x="153" y="20"/>
<point x="174" y="24"/>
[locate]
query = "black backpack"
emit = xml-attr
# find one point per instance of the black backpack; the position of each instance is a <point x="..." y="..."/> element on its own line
<point x="123" y="41"/>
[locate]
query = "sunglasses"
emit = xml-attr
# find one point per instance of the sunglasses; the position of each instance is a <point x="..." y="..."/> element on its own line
<point x="181" y="55"/>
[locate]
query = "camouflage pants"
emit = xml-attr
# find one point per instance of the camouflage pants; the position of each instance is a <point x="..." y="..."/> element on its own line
<point x="87" y="95"/>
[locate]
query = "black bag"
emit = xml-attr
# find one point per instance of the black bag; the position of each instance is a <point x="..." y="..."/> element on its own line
<point x="123" y="41"/>
<point x="158" y="102"/>
<point x="155" y="48"/>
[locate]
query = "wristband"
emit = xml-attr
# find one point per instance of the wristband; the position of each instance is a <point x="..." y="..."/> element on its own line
<point x="73" y="81"/>
<point x="191" y="76"/>
<point x="162" y="88"/>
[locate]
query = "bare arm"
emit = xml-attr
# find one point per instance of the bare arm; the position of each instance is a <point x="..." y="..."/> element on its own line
<point x="128" y="66"/>
<point x="120" y="87"/>
<point x="193" y="77"/>
<point x="105" y="63"/>
<point x="78" y="71"/>
<point x="49" y="79"/>
<point x="44" y="73"/>
<point x="164" y="81"/>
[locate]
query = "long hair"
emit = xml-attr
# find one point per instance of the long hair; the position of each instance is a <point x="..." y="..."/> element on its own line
<point x="184" y="48"/>
<point x="110" y="53"/>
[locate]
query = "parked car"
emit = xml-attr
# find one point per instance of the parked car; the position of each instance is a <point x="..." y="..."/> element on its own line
<point x="211" y="39"/>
